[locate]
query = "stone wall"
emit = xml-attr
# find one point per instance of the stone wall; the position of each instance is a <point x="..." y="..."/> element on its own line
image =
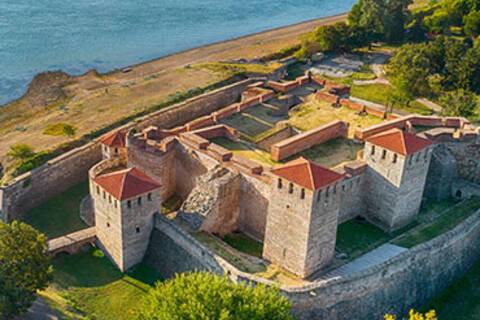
<point x="254" y="199"/>
<point x="406" y="281"/>
<point x="305" y="140"/>
<point x="33" y="188"/>
<point x="54" y="177"/>
<point x="172" y="250"/>
<point x="281" y="134"/>
<point x="353" y="203"/>
<point x="194" y="108"/>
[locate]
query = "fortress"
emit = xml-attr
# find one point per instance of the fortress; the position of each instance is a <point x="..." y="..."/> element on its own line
<point x="285" y="164"/>
<point x="292" y="208"/>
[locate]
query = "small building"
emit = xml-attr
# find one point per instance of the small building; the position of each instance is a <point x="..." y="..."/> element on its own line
<point x="114" y="144"/>
<point x="125" y="202"/>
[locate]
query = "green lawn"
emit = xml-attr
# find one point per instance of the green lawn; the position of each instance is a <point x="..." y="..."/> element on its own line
<point x="380" y="93"/>
<point x="244" y="243"/>
<point x="93" y="286"/>
<point x="356" y="237"/>
<point x="171" y="204"/>
<point x="447" y="221"/>
<point x="333" y="152"/>
<point x="59" y="215"/>
<point x="460" y="300"/>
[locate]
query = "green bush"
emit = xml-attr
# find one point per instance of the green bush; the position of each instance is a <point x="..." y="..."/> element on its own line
<point x="204" y="296"/>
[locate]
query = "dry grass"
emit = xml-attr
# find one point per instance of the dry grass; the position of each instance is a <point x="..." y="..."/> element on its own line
<point x="333" y="153"/>
<point x="246" y="150"/>
<point x="315" y="113"/>
<point x="97" y="101"/>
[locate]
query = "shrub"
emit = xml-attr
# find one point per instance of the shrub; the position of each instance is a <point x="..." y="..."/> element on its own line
<point x="205" y="296"/>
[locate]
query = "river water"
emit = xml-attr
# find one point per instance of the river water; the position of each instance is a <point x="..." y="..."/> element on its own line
<point x="75" y="36"/>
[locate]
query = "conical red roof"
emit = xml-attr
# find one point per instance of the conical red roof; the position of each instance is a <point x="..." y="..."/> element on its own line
<point x="115" y="139"/>
<point x="126" y="184"/>
<point x="307" y="174"/>
<point x="401" y="142"/>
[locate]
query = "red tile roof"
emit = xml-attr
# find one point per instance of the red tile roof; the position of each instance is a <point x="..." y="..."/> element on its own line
<point x="126" y="184"/>
<point x="399" y="141"/>
<point x="307" y="174"/>
<point x="115" y="139"/>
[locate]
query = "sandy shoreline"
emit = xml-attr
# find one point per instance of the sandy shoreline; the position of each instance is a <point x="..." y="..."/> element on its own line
<point x="214" y="51"/>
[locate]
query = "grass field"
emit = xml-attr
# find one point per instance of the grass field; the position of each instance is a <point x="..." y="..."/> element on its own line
<point x="59" y="215"/>
<point x="333" y="152"/>
<point x="244" y="243"/>
<point x="380" y="93"/>
<point x="447" y="221"/>
<point x="244" y="150"/>
<point x="356" y="237"/>
<point x="315" y="113"/>
<point x="88" y="284"/>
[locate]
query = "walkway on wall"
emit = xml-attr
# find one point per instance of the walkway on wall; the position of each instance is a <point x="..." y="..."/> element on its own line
<point x="71" y="242"/>
<point x="374" y="257"/>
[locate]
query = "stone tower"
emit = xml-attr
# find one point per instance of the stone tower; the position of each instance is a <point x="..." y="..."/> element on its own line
<point x="396" y="174"/>
<point x="114" y="145"/>
<point x="302" y="217"/>
<point x="125" y="202"/>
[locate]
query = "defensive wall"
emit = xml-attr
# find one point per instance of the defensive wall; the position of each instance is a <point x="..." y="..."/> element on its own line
<point x="413" y="120"/>
<point x="409" y="280"/>
<point x="57" y="175"/>
<point x="306" y="140"/>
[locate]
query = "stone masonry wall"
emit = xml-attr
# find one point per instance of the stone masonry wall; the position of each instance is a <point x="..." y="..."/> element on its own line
<point x="56" y="176"/>
<point x="280" y="135"/>
<point x="407" y="281"/>
<point x="254" y="199"/>
<point x="39" y="185"/>
<point x="305" y="140"/>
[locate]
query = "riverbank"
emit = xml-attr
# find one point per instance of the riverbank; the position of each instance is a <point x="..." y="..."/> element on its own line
<point x="93" y="101"/>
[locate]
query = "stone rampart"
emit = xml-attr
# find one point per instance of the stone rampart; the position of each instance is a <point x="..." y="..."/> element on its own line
<point x="59" y="174"/>
<point x="414" y="120"/>
<point x="305" y="140"/>
<point x="406" y="281"/>
<point x="283" y="133"/>
<point x="54" y="177"/>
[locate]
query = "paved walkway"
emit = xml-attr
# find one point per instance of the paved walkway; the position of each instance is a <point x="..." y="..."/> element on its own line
<point x="71" y="239"/>
<point x="370" y="259"/>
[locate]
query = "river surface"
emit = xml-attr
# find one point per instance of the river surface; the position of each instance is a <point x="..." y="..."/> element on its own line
<point x="78" y="35"/>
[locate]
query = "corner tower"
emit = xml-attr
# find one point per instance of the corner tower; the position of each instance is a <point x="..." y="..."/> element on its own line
<point x="125" y="202"/>
<point x="398" y="164"/>
<point x="114" y="145"/>
<point x="302" y="217"/>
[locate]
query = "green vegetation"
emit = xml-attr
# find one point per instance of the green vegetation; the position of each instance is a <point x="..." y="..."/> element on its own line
<point x="95" y="288"/>
<point x="24" y="267"/>
<point x="356" y="237"/>
<point x="244" y="150"/>
<point x="206" y="296"/>
<point x="460" y="300"/>
<point x="244" y="243"/>
<point x="294" y="70"/>
<point x="333" y="152"/>
<point x="447" y="221"/>
<point x="231" y="69"/>
<point x="415" y="315"/>
<point x="228" y="253"/>
<point x="59" y="215"/>
<point x="60" y="129"/>
<point x="171" y="204"/>
<point x="382" y="93"/>
<point x="21" y="152"/>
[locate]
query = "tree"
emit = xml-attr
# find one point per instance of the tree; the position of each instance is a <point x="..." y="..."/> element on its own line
<point x="458" y="103"/>
<point x="414" y="315"/>
<point x="468" y="72"/>
<point x="472" y="24"/>
<point x="205" y="296"/>
<point x="20" y="151"/>
<point x="24" y="267"/>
